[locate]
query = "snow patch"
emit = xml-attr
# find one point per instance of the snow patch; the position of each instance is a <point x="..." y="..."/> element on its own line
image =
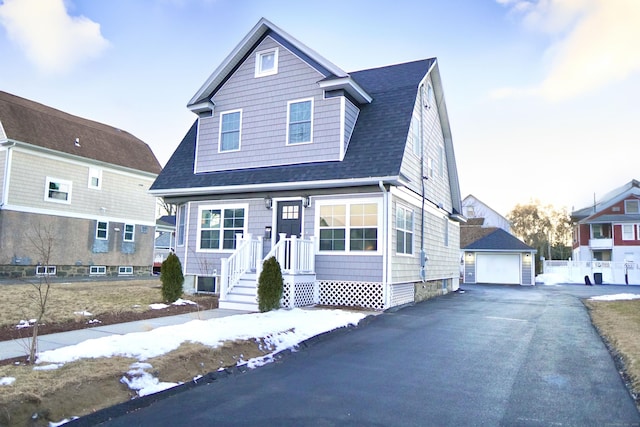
<point x="25" y="323"/>
<point x="82" y="313"/>
<point x="158" y="306"/>
<point x="7" y="381"/>
<point x="50" y="367"/>
<point x="138" y="379"/>
<point x="615" y="297"/>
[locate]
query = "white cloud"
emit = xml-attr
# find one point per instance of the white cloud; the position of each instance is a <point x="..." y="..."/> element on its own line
<point x="52" y="39"/>
<point x="595" y="43"/>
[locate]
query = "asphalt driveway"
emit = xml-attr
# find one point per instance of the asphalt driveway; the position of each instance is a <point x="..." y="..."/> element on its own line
<point x="492" y="356"/>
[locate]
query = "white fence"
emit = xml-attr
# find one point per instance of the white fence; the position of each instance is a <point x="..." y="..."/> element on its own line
<point x="615" y="273"/>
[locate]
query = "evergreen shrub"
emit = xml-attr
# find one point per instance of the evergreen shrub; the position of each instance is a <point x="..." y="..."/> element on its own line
<point x="270" y="286"/>
<point x="171" y="278"/>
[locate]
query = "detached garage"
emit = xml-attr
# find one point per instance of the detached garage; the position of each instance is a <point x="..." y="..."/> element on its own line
<point x="498" y="257"/>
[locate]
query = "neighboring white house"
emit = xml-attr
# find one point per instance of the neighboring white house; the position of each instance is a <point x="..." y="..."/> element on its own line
<point x="472" y="207"/>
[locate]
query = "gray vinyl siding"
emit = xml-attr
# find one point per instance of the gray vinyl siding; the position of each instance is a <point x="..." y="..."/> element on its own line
<point x="263" y="102"/>
<point x="526" y="269"/>
<point x="366" y="268"/>
<point x="437" y="187"/>
<point x="350" y="117"/>
<point x="443" y="260"/>
<point x="257" y="217"/>
<point x="122" y="195"/>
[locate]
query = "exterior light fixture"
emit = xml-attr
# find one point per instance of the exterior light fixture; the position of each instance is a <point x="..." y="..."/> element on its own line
<point x="306" y="202"/>
<point x="268" y="202"/>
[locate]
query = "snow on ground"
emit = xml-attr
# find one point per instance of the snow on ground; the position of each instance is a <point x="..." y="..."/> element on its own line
<point x="615" y="297"/>
<point x="179" y="301"/>
<point x="7" y="381"/>
<point x="280" y="330"/>
<point x="552" y="279"/>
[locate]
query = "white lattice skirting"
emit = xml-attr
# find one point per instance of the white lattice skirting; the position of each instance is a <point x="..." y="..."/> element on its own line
<point x="352" y="294"/>
<point x="299" y="291"/>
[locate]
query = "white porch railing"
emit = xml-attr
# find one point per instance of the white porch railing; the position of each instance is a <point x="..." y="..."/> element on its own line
<point x="244" y="259"/>
<point x="294" y="255"/>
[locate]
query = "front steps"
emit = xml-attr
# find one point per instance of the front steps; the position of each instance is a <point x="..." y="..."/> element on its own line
<point x="243" y="296"/>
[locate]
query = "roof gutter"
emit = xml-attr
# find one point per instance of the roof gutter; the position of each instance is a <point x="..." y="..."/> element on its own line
<point x="278" y="186"/>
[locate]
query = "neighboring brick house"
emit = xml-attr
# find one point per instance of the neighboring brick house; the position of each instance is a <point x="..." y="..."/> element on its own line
<point x="82" y="183"/>
<point x="348" y="179"/>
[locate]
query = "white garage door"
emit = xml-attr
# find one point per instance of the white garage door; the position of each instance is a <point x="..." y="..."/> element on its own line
<point x="498" y="268"/>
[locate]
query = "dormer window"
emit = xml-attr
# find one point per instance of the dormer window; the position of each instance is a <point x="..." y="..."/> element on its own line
<point x="267" y="62"/>
<point x="631" y="207"/>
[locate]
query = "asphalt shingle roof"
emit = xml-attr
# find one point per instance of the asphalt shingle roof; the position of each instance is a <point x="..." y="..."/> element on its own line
<point x="498" y="240"/>
<point x="29" y="122"/>
<point x="375" y="150"/>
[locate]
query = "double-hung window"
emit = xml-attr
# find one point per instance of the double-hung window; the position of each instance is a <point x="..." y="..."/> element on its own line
<point x="218" y="227"/>
<point x="95" y="179"/>
<point x="230" y="130"/>
<point x="182" y="219"/>
<point x="631" y="207"/>
<point x="266" y="62"/>
<point x="404" y="231"/>
<point x="129" y="231"/>
<point x="627" y="232"/>
<point x="102" y="230"/>
<point x="299" y="121"/>
<point x="58" y="190"/>
<point x="349" y="227"/>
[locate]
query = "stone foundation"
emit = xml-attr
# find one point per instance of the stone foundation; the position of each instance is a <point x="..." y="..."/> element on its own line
<point x="29" y="271"/>
<point x="431" y="289"/>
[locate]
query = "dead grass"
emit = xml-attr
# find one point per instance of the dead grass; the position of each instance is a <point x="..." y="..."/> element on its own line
<point x="67" y="298"/>
<point x="618" y="322"/>
<point x="85" y="386"/>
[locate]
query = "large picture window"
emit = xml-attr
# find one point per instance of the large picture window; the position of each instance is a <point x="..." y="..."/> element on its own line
<point x="230" y="125"/>
<point x="219" y="226"/>
<point x="299" y="121"/>
<point x="404" y="231"/>
<point x="57" y="190"/>
<point x="348" y="227"/>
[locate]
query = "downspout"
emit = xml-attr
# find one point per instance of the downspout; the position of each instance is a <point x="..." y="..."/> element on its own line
<point x="385" y="238"/>
<point x="423" y="254"/>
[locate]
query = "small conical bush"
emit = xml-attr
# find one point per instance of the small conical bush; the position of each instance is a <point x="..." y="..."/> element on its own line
<point x="171" y="278"/>
<point x="270" y="286"/>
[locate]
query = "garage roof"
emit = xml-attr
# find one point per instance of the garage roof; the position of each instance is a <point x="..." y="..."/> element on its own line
<point x="499" y="240"/>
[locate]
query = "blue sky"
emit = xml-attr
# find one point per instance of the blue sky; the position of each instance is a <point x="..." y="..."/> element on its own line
<point x="541" y="94"/>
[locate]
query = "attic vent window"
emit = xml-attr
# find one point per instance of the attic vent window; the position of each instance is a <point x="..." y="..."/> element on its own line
<point x="267" y="62"/>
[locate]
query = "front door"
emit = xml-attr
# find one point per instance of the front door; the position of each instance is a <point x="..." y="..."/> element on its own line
<point x="289" y="218"/>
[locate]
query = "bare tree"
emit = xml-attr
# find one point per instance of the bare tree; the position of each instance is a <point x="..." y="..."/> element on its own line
<point x="42" y="240"/>
<point x="169" y="208"/>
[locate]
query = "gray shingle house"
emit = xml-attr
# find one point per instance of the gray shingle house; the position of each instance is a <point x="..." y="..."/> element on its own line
<point x="348" y="179"/>
<point x="83" y="183"/>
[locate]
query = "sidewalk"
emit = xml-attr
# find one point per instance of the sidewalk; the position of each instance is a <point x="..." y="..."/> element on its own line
<point x="18" y="348"/>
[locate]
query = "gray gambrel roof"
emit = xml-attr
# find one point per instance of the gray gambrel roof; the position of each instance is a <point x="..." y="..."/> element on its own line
<point x="374" y="154"/>
<point x="29" y="123"/>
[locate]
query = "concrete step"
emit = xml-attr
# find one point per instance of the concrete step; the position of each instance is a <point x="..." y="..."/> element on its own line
<point x="238" y="305"/>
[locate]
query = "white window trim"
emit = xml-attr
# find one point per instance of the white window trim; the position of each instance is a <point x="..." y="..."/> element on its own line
<point x="348" y="203"/>
<point x="258" y="69"/>
<point x="107" y="236"/>
<point x="49" y="180"/>
<point x="181" y="225"/>
<point x="95" y="173"/>
<point x="297" y="101"/>
<point x="133" y="233"/>
<point x="636" y="202"/>
<point x="221" y="208"/>
<point x="222" y="113"/>
<point x="97" y="270"/>
<point x="412" y="231"/>
<point x="125" y="270"/>
<point x="45" y="270"/>
<point x="633" y="232"/>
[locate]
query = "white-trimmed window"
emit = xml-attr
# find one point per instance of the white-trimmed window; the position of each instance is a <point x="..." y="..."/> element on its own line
<point x="95" y="178"/>
<point x="631" y="207"/>
<point x="230" y="130"/>
<point x="299" y="121"/>
<point x="627" y="231"/>
<point x="58" y="190"/>
<point x="428" y="96"/>
<point x="218" y="227"/>
<point x="97" y="270"/>
<point x="404" y="231"/>
<point x="125" y="270"/>
<point x="45" y="270"/>
<point x="267" y="62"/>
<point x="349" y="226"/>
<point x="129" y="233"/>
<point x="102" y="230"/>
<point x="415" y="137"/>
<point x="182" y="219"/>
